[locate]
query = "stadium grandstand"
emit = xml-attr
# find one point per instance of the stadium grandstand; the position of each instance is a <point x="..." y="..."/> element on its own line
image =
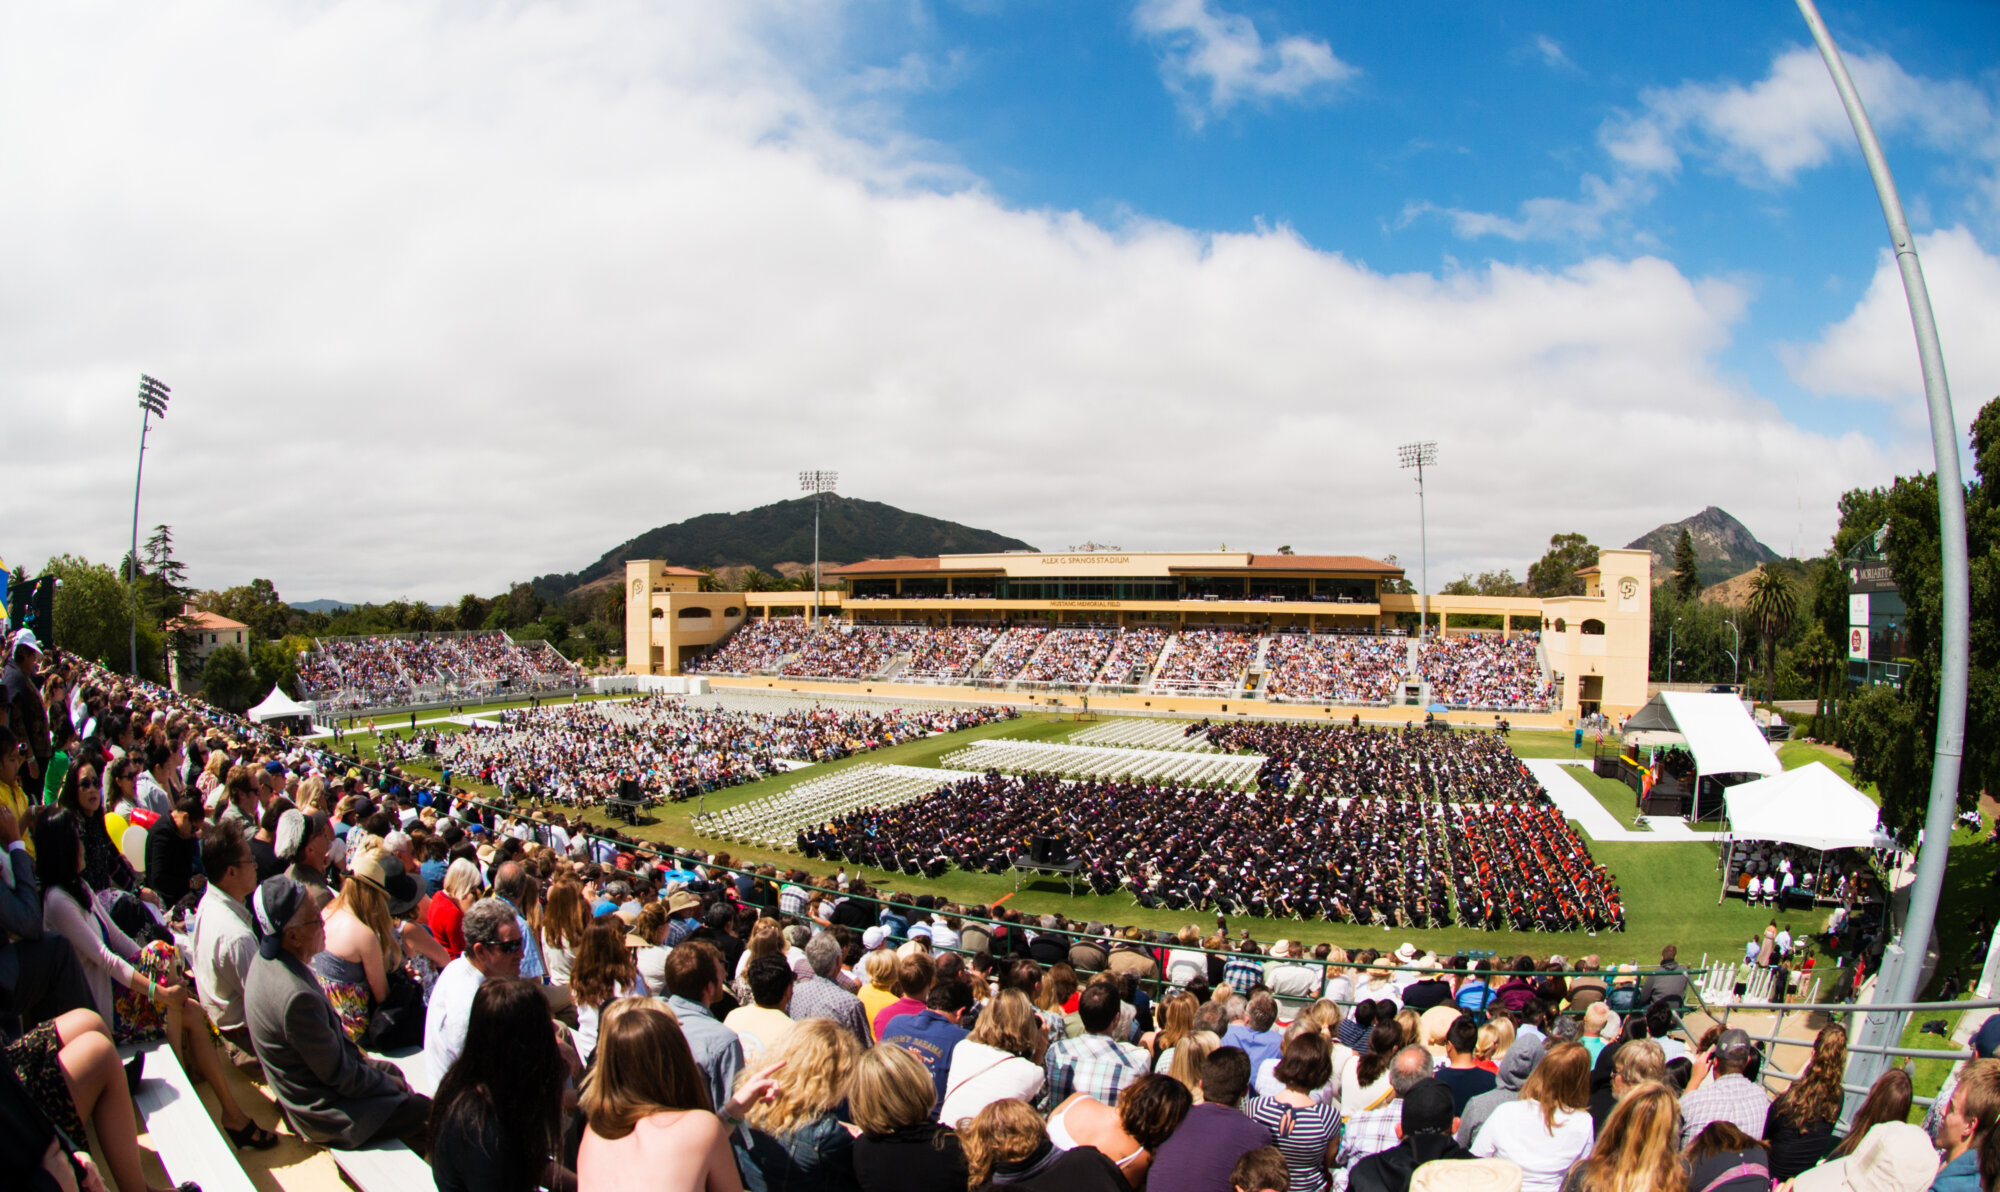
<point x="1317" y="634"/>
<point x="343" y="674"/>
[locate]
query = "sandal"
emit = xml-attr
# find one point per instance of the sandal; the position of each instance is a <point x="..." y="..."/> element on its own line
<point x="251" y="1137"/>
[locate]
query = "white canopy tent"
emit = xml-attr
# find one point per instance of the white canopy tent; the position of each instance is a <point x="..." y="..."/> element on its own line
<point x="1717" y="730"/>
<point x="1812" y="807"/>
<point x="279" y="706"/>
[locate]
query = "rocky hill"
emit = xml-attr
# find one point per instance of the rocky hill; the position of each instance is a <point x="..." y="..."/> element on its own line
<point x="1723" y="547"/>
<point x="779" y="538"/>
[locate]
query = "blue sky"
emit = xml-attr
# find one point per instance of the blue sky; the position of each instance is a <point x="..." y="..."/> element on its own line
<point x="453" y="294"/>
<point x="1475" y="107"/>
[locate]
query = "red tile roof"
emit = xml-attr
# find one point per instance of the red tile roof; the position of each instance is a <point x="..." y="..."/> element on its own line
<point x="879" y="566"/>
<point x="196" y="619"/>
<point x="1307" y="563"/>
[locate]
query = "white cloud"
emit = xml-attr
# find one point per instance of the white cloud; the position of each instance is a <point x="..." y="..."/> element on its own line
<point x="450" y="298"/>
<point x="1586" y="218"/>
<point x="1214" y="60"/>
<point x="1872" y="353"/>
<point x="1550" y="51"/>
<point x="1791" y="120"/>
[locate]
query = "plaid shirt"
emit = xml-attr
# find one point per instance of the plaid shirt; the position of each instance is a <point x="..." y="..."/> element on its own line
<point x="818" y="997"/>
<point x="792" y="900"/>
<point x="1242" y="974"/>
<point x="1095" y="1064"/>
<point x="1731" y="1099"/>
<point x="1369" y="1132"/>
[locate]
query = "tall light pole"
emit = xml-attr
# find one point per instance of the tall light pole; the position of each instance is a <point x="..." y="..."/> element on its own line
<point x="1421" y="456"/>
<point x="1957" y="597"/>
<point x="152" y="400"/>
<point x="817" y="483"/>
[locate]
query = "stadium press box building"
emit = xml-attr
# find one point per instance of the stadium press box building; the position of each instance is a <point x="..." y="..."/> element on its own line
<point x="1593" y="646"/>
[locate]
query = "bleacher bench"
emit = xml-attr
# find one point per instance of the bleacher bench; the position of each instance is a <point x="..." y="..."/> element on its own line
<point x="190" y="1145"/>
<point x="389" y="1165"/>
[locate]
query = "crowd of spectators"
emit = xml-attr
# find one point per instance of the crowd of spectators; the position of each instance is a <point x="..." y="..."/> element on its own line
<point x="1486" y="671"/>
<point x="594" y="1015"/>
<point x="1133" y="656"/>
<point x="1335" y="668"/>
<point x="756" y="647"/>
<point x="1015" y="649"/>
<point x="671" y="747"/>
<point x="950" y="653"/>
<point x="1207" y="660"/>
<point x="385" y="671"/>
<point x="1069" y="657"/>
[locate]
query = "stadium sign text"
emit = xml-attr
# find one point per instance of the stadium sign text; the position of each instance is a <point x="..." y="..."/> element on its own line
<point x="1074" y="560"/>
<point x="1086" y="604"/>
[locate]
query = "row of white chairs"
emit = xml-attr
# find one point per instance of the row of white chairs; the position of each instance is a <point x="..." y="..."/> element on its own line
<point x="775" y="822"/>
<point x="1145" y="734"/>
<point x="1179" y="767"/>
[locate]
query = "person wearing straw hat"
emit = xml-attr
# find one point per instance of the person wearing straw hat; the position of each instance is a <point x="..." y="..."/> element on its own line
<point x="1894" y="1157"/>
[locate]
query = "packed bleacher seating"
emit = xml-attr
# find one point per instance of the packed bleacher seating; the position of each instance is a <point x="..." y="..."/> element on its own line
<point x="1485" y="671"/>
<point x="1069" y="657"/>
<point x="841" y="1035"/>
<point x="348" y="673"/>
<point x="1339" y="668"/>
<point x="849" y="651"/>
<point x="1133" y="656"/>
<point x="1207" y="660"/>
<point x="756" y="647"/>
<point x="950" y="653"/>
<point x="1015" y="649"/>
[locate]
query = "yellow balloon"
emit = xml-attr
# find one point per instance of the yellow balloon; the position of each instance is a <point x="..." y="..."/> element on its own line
<point x="115" y="825"/>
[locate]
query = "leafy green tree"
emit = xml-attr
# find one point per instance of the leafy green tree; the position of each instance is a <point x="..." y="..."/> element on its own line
<point x="228" y="681"/>
<point x="1773" y="606"/>
<point x="524" y="605"/>
<point x="274" y="666"/>
<point x="1890" y="732"/>
<point x="93" y="617"/>
<point x="472" y="611"/>
<point x="1555" y="573"/>
<point x="1687" y="569"/>
<point x="256" y="604"/>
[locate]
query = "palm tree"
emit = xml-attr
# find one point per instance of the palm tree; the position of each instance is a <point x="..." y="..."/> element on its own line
<point x="1773" y="605"/>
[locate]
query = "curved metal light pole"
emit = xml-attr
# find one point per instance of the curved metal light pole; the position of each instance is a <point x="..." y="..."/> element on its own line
<point x="1922" y="914"/>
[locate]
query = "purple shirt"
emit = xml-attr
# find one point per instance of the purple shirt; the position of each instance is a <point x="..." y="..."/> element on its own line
<point x="1199" y="1155"/>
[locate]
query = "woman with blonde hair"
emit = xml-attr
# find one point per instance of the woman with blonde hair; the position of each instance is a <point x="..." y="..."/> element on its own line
<point x="312" y="795"/>
<point x="446" y="917"/>
<point x="1798" y="1128"/>
<point x="1001" y="1059"/>
<point x="1059" y="990"/>
<point x="1496" y="1038"/>
<point x="1548" y="1127"/>
<point x="880" y="992"/>
<point x="796" y="1138"/>
<point x="564" y="920"/>
<point x="767" y="938"/>
<point x="362" y="957"/>
<point x="649" y="1123"/>
<point x="1639" y="1150"/>
<point x="1175" y="1014"/>
<point x="1193" y="1048"/>
<point x="603" y="972"/>
<point x="1412" y="1025"/>
<point x="900" y="1148"/>
<point x="1007" y="1145"/>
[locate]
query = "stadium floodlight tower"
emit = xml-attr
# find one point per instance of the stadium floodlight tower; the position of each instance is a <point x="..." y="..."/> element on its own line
<point x="817" y="483"/>
<point x="152" y="400"/>
<point x="1420" y="456"/>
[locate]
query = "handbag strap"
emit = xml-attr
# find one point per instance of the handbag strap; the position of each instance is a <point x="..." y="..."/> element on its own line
<point x="1737" y="1172"/>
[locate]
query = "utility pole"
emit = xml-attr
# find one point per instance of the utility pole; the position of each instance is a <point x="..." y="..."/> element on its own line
<point x="1420" y="456"/>
<point x="817" y="483"/>
<point x="152" y="400"/>
<point x="1950" y="735"/>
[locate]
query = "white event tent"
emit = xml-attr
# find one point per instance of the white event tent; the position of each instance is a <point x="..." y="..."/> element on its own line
<point x="279" y="706"/>
<point x="1717" y="730"/>
<point x="1812" y="807"/>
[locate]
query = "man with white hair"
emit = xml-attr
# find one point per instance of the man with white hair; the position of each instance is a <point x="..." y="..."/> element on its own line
<point x="492" y="951"/>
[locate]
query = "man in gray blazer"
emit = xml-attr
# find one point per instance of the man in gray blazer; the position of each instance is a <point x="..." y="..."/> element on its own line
<point x="39" y="975"/>
<point x="332" y="1093"/>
